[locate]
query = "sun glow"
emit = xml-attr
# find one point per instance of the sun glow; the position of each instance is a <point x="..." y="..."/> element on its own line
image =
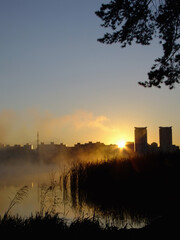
<point x="121" y="144"/>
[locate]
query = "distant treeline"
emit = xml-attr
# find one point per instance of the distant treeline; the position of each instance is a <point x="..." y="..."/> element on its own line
<point x="56" y="153"/>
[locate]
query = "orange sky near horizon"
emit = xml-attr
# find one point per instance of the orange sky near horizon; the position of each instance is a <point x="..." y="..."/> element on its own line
<point x="80" y="126"/>
<point x="57" y="79"/>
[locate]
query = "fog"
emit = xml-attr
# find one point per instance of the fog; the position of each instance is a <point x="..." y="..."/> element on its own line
<point x="34" y="175"/>
<point x="22" y="166"/>
<point x="20" y="127"/>
<point x="24" y="174"/>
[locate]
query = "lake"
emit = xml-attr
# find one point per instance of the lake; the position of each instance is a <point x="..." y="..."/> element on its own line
<point x="49" y="190"/>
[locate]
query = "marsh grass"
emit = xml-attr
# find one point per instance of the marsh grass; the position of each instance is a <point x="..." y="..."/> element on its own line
<point x="17" y="199"/>
<point x="145" y="187"/>
<point x="142" y="187"/>
<point x="53" y="226"/>
<point x="50" y="196"/>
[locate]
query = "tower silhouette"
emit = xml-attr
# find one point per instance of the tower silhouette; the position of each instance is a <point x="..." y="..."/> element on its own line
<point x="165" y="139"/>
<point x="140" y="140"/>
<point x="37" y="139"/>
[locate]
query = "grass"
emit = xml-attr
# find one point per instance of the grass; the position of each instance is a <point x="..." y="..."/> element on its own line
<point x="17" y="199"/>
<point x="49" y="225"/>
<point x="144" y="186"/>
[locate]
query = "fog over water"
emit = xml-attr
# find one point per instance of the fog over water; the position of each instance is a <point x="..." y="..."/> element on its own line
<point x="14" y="176"/>
<point x="38" y="174"/>
<point x="36" y="177"/>
<point x="19" y="174"/>
<point x="48" y="172"/>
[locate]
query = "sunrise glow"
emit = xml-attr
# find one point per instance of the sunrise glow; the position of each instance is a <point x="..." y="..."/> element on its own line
<point x="121" y="144"/>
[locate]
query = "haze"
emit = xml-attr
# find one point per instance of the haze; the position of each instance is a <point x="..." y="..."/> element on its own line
<point x="57" y="79"/>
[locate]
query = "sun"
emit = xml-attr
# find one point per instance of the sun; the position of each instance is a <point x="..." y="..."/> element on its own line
<point x="121" y="144"/>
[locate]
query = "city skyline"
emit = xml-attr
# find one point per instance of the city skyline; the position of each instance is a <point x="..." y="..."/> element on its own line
<point x="140" y="140"/>
<point x="57" y="79"/>
<point x="49" y="153"/>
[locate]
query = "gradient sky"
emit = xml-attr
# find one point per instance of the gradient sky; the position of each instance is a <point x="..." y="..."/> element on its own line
<point x="57" y="79"/>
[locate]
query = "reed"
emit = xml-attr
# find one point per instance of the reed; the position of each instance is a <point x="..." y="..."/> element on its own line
<point x="49" y="196"/>
<point x="144" y="186"/>
<point x="53" y="226"/>
<point x="17" y="199"/>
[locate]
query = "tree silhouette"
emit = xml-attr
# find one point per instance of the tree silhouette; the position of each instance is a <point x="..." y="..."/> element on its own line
<point x="140" y="21"/>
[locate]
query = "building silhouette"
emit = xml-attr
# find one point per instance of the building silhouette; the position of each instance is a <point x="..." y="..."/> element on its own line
<point x="140" y="140"/>
<point x="165" y="139"/>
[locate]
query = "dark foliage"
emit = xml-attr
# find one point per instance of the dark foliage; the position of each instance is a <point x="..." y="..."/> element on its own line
<point x="147" y="185"/>
<point x="143" y="186"/>
<point x="141" y="21"/>
<point x="55" y="227"/>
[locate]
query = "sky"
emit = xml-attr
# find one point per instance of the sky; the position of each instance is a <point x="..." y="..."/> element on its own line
<point x="56" y="78"/>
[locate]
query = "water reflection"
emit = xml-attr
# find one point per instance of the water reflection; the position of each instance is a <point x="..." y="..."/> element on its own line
<point x="112" y="193"/>
<point x="117" y="191"/>
<point x="50" y="190"/>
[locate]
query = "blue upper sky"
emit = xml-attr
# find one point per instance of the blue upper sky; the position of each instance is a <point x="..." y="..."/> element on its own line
<point x="56" y="78"/>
